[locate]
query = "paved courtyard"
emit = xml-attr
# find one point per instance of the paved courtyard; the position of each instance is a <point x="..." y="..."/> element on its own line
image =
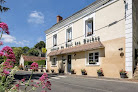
<point x="66" y="83"/>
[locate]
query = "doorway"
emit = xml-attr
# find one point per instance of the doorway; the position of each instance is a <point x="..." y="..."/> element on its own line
<point x="69" y="63"/>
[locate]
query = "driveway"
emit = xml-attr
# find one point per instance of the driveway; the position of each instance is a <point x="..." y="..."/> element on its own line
<point x="65" y="83"/>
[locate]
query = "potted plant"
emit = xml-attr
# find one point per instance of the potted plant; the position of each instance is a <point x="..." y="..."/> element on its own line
<point x="69" y="40"/>
<point x="60" y="70"/>
<point x="52" y="70"/>
<point x="92" y="62"/>
<point x="47" y="70"/>
<point x="83" y="71"/>
<point x="100" y="72"/>
<point x="89" y="33"/>
<point x="123" y="74"/>
<point x="72" y="71"/>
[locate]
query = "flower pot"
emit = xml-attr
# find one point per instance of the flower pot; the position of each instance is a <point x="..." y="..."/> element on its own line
<point x="84" y="73"/>
<point x="72" y="72"/>
<point x="123" y="75"/>
<point x="100" y="74"/>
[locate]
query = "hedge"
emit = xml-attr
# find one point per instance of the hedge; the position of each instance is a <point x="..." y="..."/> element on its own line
<point x="41" y="62"/>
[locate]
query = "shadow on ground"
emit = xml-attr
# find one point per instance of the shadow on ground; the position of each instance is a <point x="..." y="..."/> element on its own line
<point x="26" y="75"/>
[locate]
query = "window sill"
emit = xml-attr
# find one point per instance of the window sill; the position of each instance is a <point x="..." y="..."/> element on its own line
<point x="93" y="65"/>
<point x="53" y="65"/>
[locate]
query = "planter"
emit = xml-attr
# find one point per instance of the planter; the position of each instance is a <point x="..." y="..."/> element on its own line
<point x="123" y="75"/>
<point x="100" y="74"/>
<point x="92" y="62"/>
<point x="47" y="71"/>
<point x="72" y="72"/>
<point x="52" y="71"/>
<point x="84" y="73"/>
<point x="61" y="71"/>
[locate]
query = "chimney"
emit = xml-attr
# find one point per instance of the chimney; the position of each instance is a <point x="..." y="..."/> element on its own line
<point x="59" y="18"/>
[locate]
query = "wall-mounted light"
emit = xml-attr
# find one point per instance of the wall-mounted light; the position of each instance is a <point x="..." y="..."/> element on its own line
<point x="124" y="1"/>
<point x="120" y="49"/>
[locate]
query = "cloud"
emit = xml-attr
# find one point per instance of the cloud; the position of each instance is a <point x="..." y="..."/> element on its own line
<point x="36" y="17"/>
<point x="11" y="39"/>
<point x="40" y="39"/>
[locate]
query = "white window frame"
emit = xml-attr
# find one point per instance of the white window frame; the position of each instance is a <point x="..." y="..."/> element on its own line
<point x="54" y="40"/>
<point x="55" y="62"/>
<point x="69" y="36"/>
<point x="87" y="58"/>
<point x="87" y="29"/>
<point x="88" y="18"/>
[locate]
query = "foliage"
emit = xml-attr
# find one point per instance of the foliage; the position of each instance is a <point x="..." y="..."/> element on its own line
<point x="40" y="45"/>
<point x="83" y="70"/>
<point x="25" y="49"/>
<point x="41" y="62"/>
<point x="18" y="52"/>
<point x="7" y="77"/>
<point x="123" y="72"/>
<point x="100" y="70"/>
<point x="2" y="8"/>
<point x="33" y="52"/>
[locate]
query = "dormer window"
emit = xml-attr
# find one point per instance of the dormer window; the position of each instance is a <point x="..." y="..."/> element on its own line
<point x="69" y="35"/>
<point x="89" y="27"/>
<point x="55" y="40"/>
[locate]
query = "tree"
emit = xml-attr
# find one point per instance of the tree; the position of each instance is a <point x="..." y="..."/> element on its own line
<point x="25" y="49"/>
<point x="2" y="8"/>
<point x="18" y="52"/>
<point x="33" y="52"/>
<point x="40" y="45"/>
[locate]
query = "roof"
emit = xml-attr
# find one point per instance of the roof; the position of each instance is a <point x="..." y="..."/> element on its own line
<point x="32" y="58"/>
<point x="89" y="9"/>
<point x="85" y="47"/>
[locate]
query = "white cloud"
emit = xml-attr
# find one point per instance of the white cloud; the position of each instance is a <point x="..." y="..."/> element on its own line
<point x="40" y="39"/>
<point x="36" y="17"/>
<point x="11" y="39"/>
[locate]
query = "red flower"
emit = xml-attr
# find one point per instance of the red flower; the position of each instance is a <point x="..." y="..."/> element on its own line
<point x="34" y="66"/>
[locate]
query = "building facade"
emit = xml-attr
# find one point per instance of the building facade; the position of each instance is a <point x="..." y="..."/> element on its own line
<point x="102" y="35"/>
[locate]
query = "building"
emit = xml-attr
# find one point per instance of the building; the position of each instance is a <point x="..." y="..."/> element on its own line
<point x="102" y="35"/>
<point x="30" y="60"/>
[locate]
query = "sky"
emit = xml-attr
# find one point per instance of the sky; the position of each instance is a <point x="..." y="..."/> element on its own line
<point x="28" y="19"/>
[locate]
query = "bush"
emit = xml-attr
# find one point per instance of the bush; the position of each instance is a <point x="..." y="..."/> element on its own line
<point x="41" y="62"/>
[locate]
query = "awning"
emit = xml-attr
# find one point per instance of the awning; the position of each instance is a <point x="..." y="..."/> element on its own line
<point x="79" y="48"/>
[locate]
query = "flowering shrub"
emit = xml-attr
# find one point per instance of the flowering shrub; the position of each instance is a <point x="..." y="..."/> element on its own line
<point x="100" y="70"/>
<point x="123" y="72"/>
<point x="83" y="70"/>
<point x="7" y="77"/>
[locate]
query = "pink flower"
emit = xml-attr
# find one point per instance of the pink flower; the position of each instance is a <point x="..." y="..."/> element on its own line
<point x="1" y="54"/>
<point x="4" y="27"/>
<point x="34" y="66"/>
<point x="5" y="72"/>
<point x="23" y="80"/>
<point x="7" y="65"/>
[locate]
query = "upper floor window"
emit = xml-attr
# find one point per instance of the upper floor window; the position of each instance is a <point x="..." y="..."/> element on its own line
<point x="89" y="27"/>
<point x="55" y="40"/>
<point x="93" y="58"/>
<point x="69" y="35"/>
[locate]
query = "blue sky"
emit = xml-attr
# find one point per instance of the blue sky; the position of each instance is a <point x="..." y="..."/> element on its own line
<point x="28" y="19"/>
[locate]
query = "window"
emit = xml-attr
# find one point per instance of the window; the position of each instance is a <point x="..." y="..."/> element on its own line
<point x="54" y="62"/>
<point x="93" y="58"/>
<point x="69" y="35"/>
<point x="55" y="40"/>
<point x="89" y="27"/>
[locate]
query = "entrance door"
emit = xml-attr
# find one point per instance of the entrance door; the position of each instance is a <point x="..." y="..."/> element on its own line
<point x="69" y="63"/>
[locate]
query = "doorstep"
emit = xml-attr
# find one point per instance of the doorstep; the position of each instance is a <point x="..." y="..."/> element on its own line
<point x="104" y="78"/>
